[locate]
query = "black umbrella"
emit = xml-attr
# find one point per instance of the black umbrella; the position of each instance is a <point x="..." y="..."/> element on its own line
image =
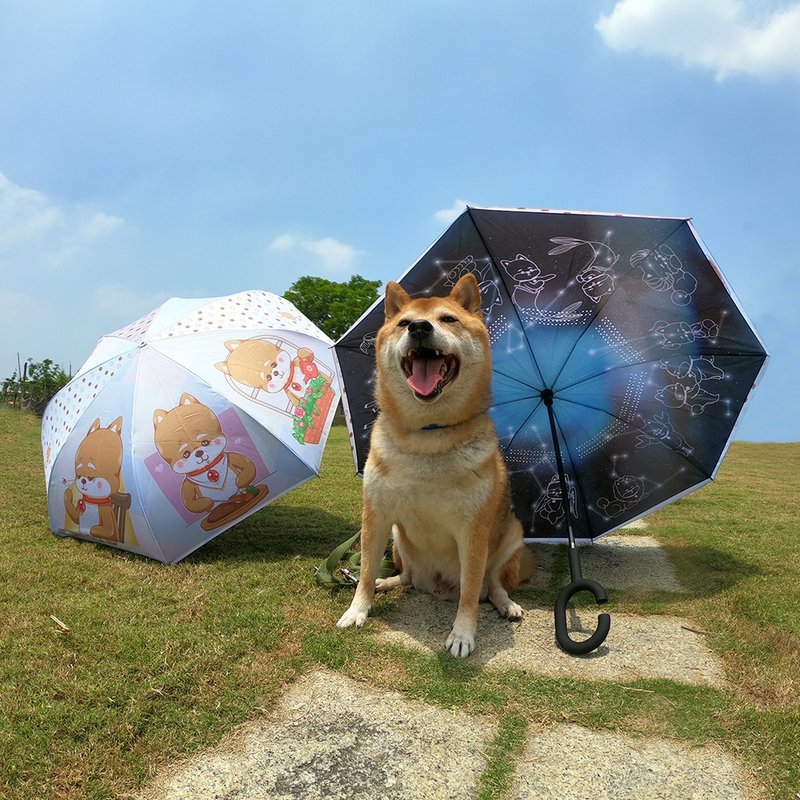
<point x="621" y="363"/>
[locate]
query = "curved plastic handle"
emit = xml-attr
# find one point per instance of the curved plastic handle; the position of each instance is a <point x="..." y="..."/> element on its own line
<point x="603" y="620"/>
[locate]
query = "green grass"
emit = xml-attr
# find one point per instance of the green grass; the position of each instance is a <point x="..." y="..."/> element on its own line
<point x="160" y="661"/>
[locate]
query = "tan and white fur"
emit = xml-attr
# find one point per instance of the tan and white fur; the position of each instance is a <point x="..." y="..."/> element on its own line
<point x="435" y="478"/>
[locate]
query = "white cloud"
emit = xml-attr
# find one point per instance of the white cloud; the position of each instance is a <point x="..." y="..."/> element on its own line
<point x="35" y="231"/>
<point x="727" y="37"/>
<point x="447" y="215"/>
<point x="335" y="256"/>
<point x="284" y="243"/>
<point x="25" y="214"/>
<point x="98" y="225"/>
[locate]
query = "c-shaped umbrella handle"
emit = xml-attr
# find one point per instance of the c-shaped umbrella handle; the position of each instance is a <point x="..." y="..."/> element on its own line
<point x="603" y="620"/>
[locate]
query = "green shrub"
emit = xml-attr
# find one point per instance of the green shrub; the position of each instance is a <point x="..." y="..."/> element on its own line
<point x="39" y="381"/>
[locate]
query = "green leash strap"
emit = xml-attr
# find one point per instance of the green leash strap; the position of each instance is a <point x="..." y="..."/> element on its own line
<point x="331" y="572"/>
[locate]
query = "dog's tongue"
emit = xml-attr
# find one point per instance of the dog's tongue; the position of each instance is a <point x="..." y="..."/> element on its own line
<point x="425" y="375"/>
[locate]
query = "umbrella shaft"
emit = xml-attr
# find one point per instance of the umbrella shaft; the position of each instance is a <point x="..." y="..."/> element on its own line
<point x="574" y="559"/>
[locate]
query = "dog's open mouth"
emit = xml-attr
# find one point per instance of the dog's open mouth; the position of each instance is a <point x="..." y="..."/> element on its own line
<point x="429" y="371"/>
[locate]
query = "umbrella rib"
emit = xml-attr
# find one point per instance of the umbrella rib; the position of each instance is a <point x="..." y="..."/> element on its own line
<point x="515" y="380"/>
<point x="636" y="428"/>
<point x="143" y="353"/>
<point x="520" y="427"/>
<point x="586" y="327"/>
<point x="516" y="310"/>
<point x="630" y="364"/>
<point x="602" y="306"/>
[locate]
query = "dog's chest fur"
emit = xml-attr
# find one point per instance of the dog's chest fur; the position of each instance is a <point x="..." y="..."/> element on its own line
<point x="426" y="492"/>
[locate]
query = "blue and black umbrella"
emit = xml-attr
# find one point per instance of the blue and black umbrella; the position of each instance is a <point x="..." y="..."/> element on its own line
<point x="621" y="364"/>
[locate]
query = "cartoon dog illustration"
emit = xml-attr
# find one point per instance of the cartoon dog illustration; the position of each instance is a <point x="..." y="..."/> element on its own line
<point x="660" y="430"/>
<point x="262" y="364"/>
<point x="627" y="491"/>
<point x="597" y="260"/>
<point x="688" y="389"/>
<point x="265" y="366"/>
<point x="528" y="278"/>
<point x="529" y="282"/>
<point x="490" y="294"/>
<point x="551" y="506"/>
<point x="672" y="335"/>
<point x="98" y="464"/>
<point x="663" y="271"/>
<point x="217" y="482"/>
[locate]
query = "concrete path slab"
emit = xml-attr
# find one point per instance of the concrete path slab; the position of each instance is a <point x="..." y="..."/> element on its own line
<point x="330" y="738"/>
<point x="623" y="561"/>
<point x="636" y="647"/>
<point x="618" y="561"/>
<point x="568" y="761"/>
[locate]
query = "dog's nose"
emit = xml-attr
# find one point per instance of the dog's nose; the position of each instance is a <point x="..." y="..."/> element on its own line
<point x="419" y="328"/>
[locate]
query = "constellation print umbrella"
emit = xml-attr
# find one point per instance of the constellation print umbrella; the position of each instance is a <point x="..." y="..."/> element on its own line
<point x="186" y="421"/>
<point x="621" y="363"/>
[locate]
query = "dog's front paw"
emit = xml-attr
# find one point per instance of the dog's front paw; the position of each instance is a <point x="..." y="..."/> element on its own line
<point x="353" y="616"/>
<point x="460" y="643"/>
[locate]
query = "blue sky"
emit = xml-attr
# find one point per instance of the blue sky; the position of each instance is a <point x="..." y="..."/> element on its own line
<point x="150" y="149"/>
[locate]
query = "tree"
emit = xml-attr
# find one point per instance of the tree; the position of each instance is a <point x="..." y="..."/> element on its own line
<point x="333" y="306"/>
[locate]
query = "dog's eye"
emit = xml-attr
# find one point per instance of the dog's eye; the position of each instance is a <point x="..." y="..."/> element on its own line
<point x="448" y="319"/>
<point x="404" y="323"/>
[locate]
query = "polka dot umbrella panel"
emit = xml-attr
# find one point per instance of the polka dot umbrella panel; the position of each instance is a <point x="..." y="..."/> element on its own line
<point x="623" y="323"/>
<point x="186" y="421"/>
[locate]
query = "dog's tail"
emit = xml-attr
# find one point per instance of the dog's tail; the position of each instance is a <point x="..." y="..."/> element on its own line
<point x="517" y="569"/>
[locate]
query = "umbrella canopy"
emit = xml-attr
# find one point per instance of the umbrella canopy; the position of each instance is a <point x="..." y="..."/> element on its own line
<point x="623" y="324"/>
<point x="186" y="421"/>
<point x="621" y="363"/>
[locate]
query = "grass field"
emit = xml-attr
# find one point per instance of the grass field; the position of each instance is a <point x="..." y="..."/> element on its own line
<point x="156" y="662"/>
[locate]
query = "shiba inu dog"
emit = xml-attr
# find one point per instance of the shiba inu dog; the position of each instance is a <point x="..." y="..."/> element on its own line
<point x="98" y="464"/>
<point x="435" y="477"/>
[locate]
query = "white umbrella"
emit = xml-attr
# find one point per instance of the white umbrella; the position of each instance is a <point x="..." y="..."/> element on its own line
<point x="187" y="420"/>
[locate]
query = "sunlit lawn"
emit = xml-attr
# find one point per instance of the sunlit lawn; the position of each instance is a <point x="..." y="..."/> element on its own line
<point x="156" y="662"/>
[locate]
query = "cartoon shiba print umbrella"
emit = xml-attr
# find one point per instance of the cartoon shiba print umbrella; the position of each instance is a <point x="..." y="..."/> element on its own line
<point x="621" y="363"/>
<point x="184" y="422"/>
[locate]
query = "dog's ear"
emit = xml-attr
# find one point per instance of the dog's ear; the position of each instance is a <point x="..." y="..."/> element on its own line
<point x="467" y="294"/>
<point x="396" y="298"/>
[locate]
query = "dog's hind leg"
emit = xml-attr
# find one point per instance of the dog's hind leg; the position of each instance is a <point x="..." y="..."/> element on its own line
<point x="401" y="562"/>
<point x="392" y="582"/>
<point x="507" y="573"/>
<point x="498" y="596"/>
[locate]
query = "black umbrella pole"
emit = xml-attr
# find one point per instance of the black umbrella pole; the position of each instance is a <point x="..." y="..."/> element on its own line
<point x="578" y="582"/>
